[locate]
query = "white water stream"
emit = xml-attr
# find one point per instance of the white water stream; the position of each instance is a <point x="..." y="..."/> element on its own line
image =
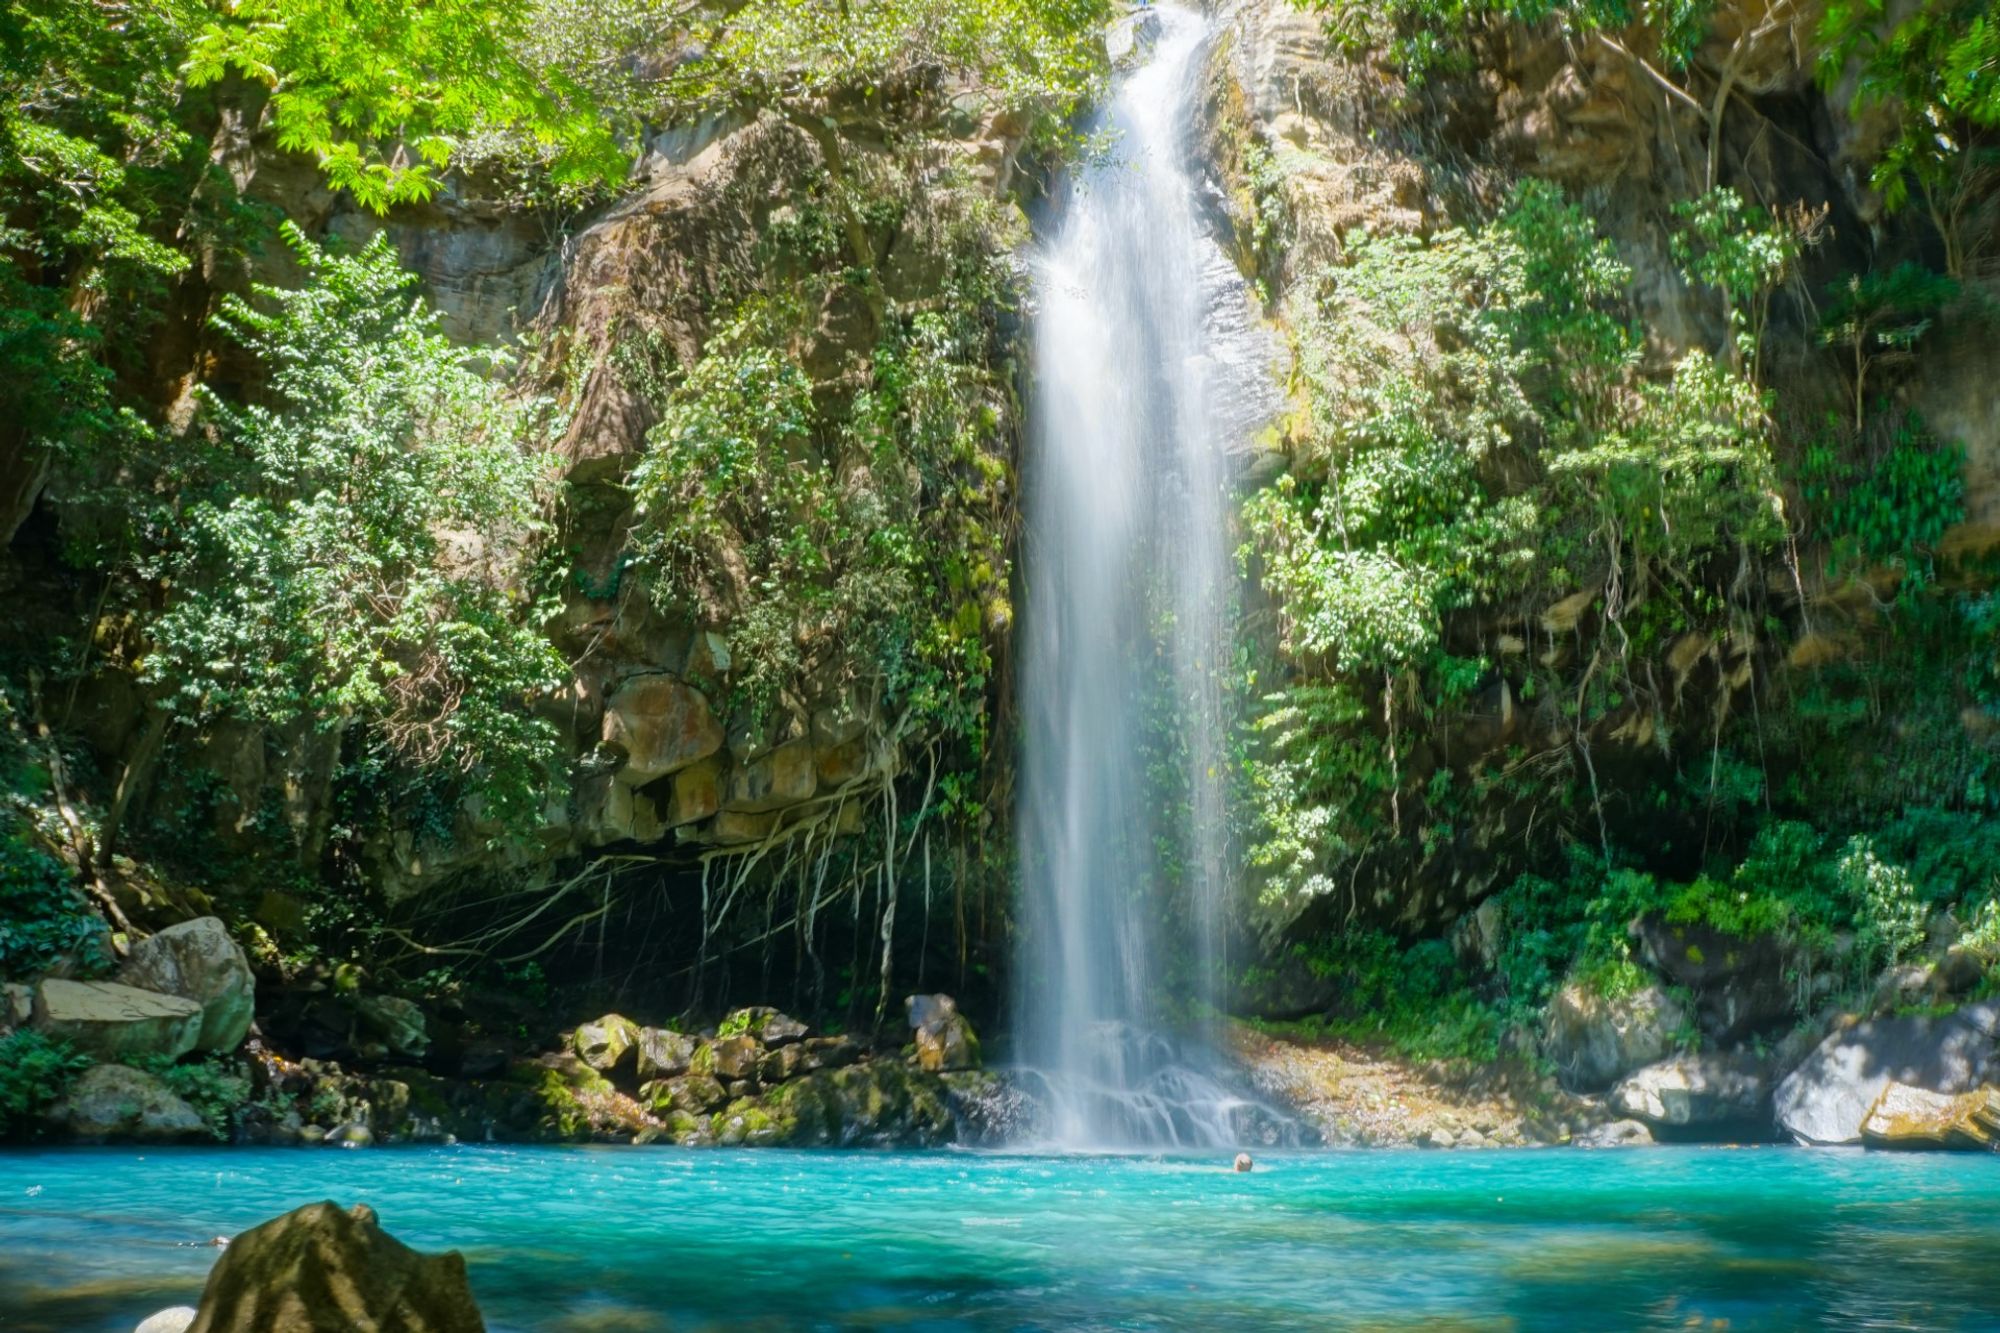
<point x="1148" y="368"/>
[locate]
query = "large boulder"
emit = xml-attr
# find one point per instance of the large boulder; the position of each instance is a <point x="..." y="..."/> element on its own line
<point x="662" y="724"/>
<point x="770" y="1026"/>
<point x="1615" y="1134"/>
<point x="944" y="1036"/>
<point x="112" y="1021"/>
<point x="197" y="960"/>
<point x="319" y="1269"/>
<point x="610" y="1043"/>
<point x="1907" y="1117"/>
<point x="126" y="1105"/>
<point x="1738" y="984"/>
<point x="1595" y="1040"/>
<point x="1705" y="1089"/>
<point x="737" y="1057"/>
<point x="1827" y="1099"/>
<point x="397" y="1022"/>
<point x="662" y="1054"/>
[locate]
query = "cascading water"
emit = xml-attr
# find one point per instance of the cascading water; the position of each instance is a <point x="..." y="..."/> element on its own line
<point x="1147" y="368"/>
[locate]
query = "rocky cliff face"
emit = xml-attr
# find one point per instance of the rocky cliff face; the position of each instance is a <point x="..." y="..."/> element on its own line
<point x="1316" y="146"/>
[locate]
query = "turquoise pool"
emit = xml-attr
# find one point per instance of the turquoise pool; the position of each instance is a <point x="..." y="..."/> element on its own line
<point x="650" y="1238"/>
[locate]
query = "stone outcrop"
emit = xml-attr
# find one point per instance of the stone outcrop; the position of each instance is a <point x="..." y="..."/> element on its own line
<point x="1594" y="1041"/>
<point x="608" y="1044"/>
<point x="1907" y="1117"/>
<point x="1829" y="1097"/>
<point x="197" y="960"/>
<point x="126" y="1105"/>
<point x="112" y="1021"/>
<point x="944" y="1039"/>
<point x="661" y="724"/>
<point x="1739" y="985"/>
<point x="322" y="1269"/>
<point x="1695" y="1090"/>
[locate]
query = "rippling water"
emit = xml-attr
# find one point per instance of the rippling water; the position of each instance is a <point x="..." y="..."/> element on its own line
<point x="629" y="1239"/>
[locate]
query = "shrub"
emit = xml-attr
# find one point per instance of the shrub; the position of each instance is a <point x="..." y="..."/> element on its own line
<point x="35" y="1072"/>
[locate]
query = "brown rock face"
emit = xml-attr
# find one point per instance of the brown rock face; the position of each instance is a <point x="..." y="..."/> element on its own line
<point x="662" y="724"/>
<point x="319" y="1269"/>
<point x="783" y="777"/>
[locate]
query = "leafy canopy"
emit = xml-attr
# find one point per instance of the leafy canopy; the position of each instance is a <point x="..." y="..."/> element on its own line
<point x="383" y="93"/>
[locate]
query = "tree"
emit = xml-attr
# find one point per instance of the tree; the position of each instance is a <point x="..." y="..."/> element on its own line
<point x="1882" y="315"/>
<point x="383" y="92"/>
<point x="1940" y="66"/>
<point x="350" y="554"/>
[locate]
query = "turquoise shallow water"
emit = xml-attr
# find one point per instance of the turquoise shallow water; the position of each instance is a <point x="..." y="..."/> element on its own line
<point x="632" y="1239"/>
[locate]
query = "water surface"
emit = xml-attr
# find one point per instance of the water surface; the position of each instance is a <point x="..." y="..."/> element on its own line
<point x="650" y="1238"/>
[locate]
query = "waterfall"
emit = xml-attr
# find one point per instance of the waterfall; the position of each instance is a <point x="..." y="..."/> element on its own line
<point x="1147" y="370"/>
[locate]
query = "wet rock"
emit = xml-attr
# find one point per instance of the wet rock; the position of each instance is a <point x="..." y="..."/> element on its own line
<point x="112" y="1021"/>
<point x="987" y="1108"/>
<point x="350" y="1135"/>
<point x="1594" y="1041"/>
<point x="769" y="1026"/>
<point x="1827" y="1099"/>
<point x="694" y="1094"/>
<point x="608" y="1044"/>
<point x="662" y="1054"/>
<point x="1738" y="984"/>
<point x="662" y="724"/>
<point x="1705" y="1089"/>
<point x="175" y="1319"/>
<point x="319" y="1269"/>
<point x="117" y="1102"/>
<point x="398" y="1022"/>
<point x="737" y="1057"/>
<point x="1908" y="1117"/>
<point x="944" y="1037"/>
<point x="1615" y="1134"/>
<point x="197" y="960"/>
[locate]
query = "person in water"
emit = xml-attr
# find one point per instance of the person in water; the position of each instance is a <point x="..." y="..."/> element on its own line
<point x="1243" y="1162"/>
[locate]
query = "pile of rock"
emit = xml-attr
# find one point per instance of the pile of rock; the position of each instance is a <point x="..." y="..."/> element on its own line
<point x="763" y="1077"/>
<point x="186" y="990"/>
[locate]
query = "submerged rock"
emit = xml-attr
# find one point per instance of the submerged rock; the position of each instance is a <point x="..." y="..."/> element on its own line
<point x="112" y="1021"/>
<point x="197" y="960"/>
<point x="1827" y="1099"/>
<point x="126" y="1104"/>
<point x="1594" y="1040"/>
<point x="319" y="1269"/>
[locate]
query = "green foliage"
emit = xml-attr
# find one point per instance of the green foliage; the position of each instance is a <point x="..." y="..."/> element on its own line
<point x="35" y="1072"/>
<point x="1939" y="63"/>
<point x="382" y="93"/>
<point x="340" y="559"/>
<point x="1891" y="510"/>
<point x="217" y="1088"/>
<point x="1430" y="37"/>
<point x="1879" y="316"/>
<point x="96" y="162"/>
<point x="1744" y="253"/>
<point x="1411" y="998"/>
<point x="1043" y="55"/>
<point x="42" y="917"/>
<point x="1481" y="435"/>
<point x="833" y="550"/>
